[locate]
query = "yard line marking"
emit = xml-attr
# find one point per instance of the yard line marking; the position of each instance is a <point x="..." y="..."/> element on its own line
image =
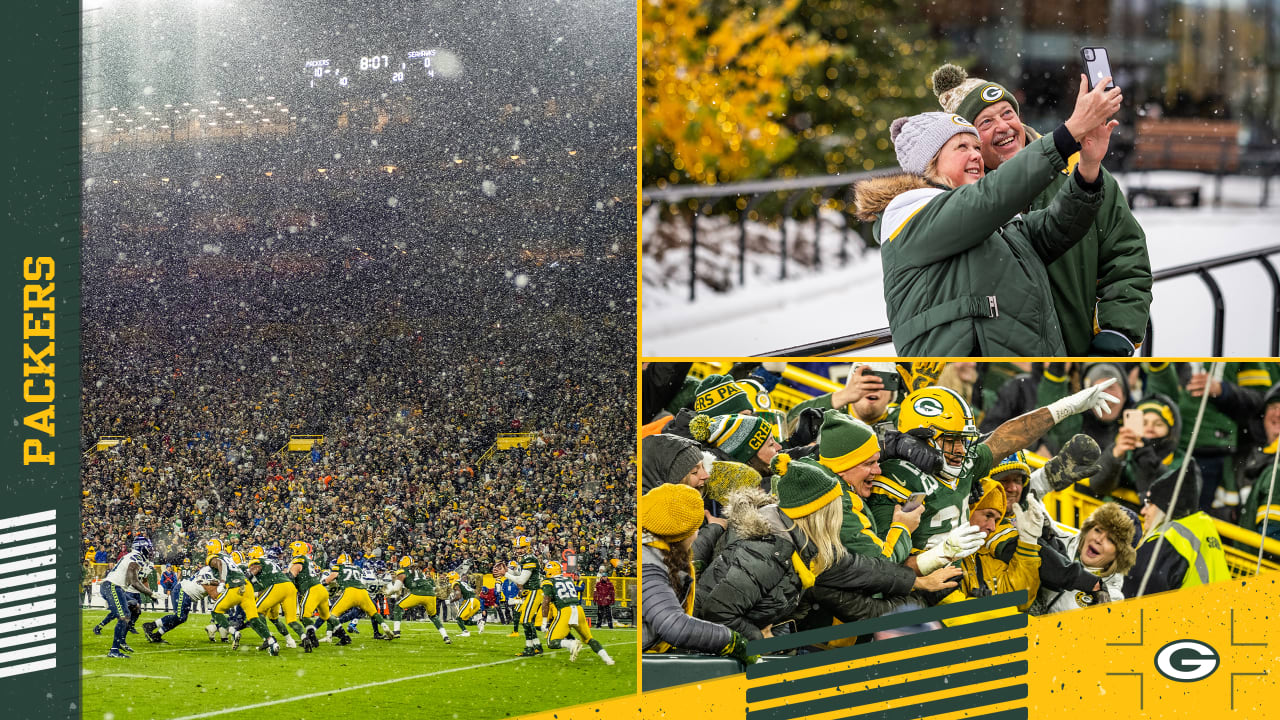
<point x="322" y="693"/>
<point x="131" y="675"/>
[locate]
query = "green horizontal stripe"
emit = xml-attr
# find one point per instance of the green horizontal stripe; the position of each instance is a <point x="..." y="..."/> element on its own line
<point x="892" y="645"/>
<point x="885" y="622"/>
<point x="854" y="676"/>
<point x="952" y="704"/>
<point x="896" y="691"/>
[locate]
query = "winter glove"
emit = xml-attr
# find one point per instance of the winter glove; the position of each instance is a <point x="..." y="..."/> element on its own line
<point x="1029" y="522"/>
<point x="960" y="543"/>
<point x="1077" y="460"/>
<point x="1111" y="344"/>
<point x="1091" y="398"/>
<point x="914" y="450"/>
<point x="807" y="427"/>
<point x="737" y="649"/>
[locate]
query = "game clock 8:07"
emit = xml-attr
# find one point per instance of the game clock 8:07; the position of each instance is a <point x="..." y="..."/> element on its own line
<point x="372" y="71"/>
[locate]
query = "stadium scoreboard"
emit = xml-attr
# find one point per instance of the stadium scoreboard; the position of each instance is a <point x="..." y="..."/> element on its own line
<point x="374" y="71"/>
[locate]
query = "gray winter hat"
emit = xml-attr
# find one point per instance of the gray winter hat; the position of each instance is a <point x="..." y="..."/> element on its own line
<point x="918" y="138"/>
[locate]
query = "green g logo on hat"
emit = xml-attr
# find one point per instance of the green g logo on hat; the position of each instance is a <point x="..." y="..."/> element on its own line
<point x="928" y="407"/>
<point x="1187" y="660"/>
<point x="961" y="121"/>
<point x="992" y="93"/>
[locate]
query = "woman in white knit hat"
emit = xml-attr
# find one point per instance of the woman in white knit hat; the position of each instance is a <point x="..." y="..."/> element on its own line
<point x="964" y="271"/>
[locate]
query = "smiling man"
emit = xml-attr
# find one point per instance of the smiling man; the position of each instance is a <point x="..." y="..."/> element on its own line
<point x="1102" y="286"/>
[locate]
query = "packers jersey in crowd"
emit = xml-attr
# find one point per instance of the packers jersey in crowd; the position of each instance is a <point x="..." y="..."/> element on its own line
<point x="944" y="498"/>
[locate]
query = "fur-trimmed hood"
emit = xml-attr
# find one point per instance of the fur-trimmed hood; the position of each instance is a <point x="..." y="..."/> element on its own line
<point x="1118" y="526"/>
<point x="872" y="196"/>
<point x="753" y="513"/>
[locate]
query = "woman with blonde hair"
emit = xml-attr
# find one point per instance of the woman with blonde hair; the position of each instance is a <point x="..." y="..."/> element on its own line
<point x="775" y="553"/>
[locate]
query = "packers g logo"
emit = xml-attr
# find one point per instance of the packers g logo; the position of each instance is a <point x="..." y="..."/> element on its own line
<point x="961" y="121"/>
<point x="1187" y="660"/>
<point x="992" y="93"/>
<point x="928" y="407"/>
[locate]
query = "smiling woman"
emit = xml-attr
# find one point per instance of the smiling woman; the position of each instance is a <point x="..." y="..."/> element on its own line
<point x="954" y="243"/>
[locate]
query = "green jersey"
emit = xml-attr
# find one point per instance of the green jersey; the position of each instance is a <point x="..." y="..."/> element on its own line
<point x="306" y="578"/>
<point x="349" y="576"/>
<point x="530" y="563"/>
<point x="944" y="499"/>
<point x="464" y="591"/>
<point x="269" y="575"/>
<point x="231" y="576"/>
<point x="562" y="591"/>
<point x="418" y="582"/>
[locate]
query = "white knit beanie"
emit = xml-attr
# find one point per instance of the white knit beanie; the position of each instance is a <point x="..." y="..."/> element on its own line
<point x="918" y="138"/>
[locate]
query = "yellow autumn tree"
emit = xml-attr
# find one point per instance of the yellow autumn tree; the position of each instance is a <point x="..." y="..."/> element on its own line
<point x="716" y="88"/>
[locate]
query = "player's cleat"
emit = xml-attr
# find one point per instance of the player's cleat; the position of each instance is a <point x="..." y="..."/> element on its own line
<point x="527" y="652"/>
<point x="306" y="645"/>
<point x="265" y="644"/>
<point x="97" y="629"/>
<point x="352" y="628"/>
<point x="479" y="626"/>
<point x="235" y="639"/>
<point x="289" y="643"/>
<point x="447" y="641"/>
<point x="152" y="635"/>
<point x="573" y="653"/>
<point x="133" y="629"/>
<point x="538" y="650"/>
<point x="395" y="634"/>
<point x="311" y="636"/>
<point x="125" y="647"/>
<point x="274" y="648"/>
<point x="607" y="660"/>
<point x="513" y="634"/>
<point x="117" y="654"/>
<point x="465" y="633"/>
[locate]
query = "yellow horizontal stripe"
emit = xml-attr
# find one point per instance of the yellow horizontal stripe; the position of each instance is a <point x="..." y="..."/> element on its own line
<point x="1267" y="511"/>
<point x="1254" y="378"/>
<point x="853" y="457"/>
<point x="811" y="507"/>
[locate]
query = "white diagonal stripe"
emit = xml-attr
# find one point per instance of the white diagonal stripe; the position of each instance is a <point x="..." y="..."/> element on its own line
<point x="30" y="549"/>
<point x="19" y="536"/>
<point x="28" y="564"/>
<point x="27" y="623"/>
<point x="30" y="667"/>
<point x="26" y="609"/>
<point x="31" y="519"/>
<point x="24" y="653"/>
<point x="37" y="636"/>
<point x="35" y="577"/>
<point x="27" y="594"/>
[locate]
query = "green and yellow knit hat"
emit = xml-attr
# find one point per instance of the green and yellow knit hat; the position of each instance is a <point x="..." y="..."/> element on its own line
<point x="1159" y="408"/>
<point x="844" y="442"/>
<point x="1016" y="461"/>
<point x="720" y="395"/>
<point x="804" y="486"/>
<point x="965" y="96"/>
<point x="728" y="476"/>
<point x="740" y="436"/>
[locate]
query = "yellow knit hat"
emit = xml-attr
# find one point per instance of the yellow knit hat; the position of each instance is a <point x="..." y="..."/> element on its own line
<point x="671" y="511"/>
<point x="992" y="497"/>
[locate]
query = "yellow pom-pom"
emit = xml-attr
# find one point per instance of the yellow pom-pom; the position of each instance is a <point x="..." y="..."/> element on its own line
<point x="700" y="428"/>
<point x="780" y="463"/>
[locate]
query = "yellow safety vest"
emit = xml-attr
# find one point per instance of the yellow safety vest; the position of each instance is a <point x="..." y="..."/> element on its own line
<point x="1196" y="539"/>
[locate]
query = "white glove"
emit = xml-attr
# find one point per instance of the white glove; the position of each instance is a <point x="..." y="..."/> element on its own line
<point x="1091" y="398"/>
<point x="961" y="542"/>
<point x="1029" y="522"/>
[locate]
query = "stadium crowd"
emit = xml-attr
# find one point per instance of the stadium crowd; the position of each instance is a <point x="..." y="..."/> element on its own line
<point x="917" y="484"/>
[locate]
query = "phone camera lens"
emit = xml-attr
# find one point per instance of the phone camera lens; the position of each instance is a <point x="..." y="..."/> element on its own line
<point x="1088" y="54"/>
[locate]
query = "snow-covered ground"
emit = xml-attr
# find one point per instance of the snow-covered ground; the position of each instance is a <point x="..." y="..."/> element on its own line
<point x="768" y="314"/>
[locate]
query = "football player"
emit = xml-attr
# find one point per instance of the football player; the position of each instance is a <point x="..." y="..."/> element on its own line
<point x="126" y="574"/>
<point x="237" y="592"/>
<point x="313" y="597"/>
<point x="353" y="593"/>
<point x="941" y="417"/>
<point x="528" y="577"/>
<point x="275" y="591"/>
<point x="569" y="616"/>
<point x="186" y="593"/>
<point x="467" y="603"/>
<point x="420" y="590"/>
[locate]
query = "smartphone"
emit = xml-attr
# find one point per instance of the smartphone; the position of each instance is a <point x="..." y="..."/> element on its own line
<point x="1133" y="421"/>
<point x="1096" y="65"/>
<point x="784" y="628"/>
<point x="913" y="502"/>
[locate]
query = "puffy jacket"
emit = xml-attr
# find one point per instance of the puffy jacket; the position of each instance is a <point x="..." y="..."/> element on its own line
<point x="1104" y="281"/>
<point x="753" y="583"/>
<point x="963" y="273"/>
<point x="665" y="621"/>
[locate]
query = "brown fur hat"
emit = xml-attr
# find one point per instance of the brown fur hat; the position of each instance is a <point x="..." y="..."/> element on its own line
<point x="1118" y="524"/>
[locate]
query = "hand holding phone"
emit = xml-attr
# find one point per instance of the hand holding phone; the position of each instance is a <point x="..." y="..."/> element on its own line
<point x="1133" y="421"/>
<point x="913" y="502"/>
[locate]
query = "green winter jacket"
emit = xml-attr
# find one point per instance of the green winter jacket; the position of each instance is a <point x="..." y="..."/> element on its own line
<point x="964" y="273"/>
<point x="1103" y="283"/>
